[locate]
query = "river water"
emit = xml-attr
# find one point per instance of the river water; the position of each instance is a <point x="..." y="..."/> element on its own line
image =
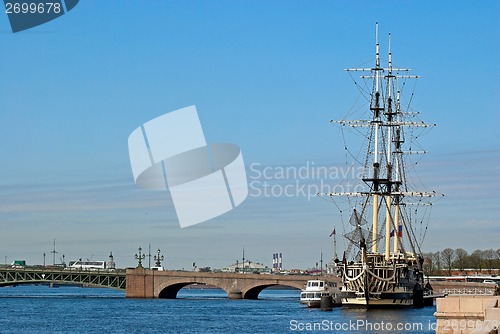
<point x="41" y="309"/>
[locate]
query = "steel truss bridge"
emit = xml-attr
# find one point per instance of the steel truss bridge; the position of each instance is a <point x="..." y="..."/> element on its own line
<point x="109" y="279"/>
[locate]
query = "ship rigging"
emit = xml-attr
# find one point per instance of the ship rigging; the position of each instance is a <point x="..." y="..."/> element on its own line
<point x="382" y="273"/>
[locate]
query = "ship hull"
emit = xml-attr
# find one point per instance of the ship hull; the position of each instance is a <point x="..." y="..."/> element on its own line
<point x="386" y="300"/>
<point x="316" y="290"/>
<point x="381" y="284"/>
<point x="311" y="303"/>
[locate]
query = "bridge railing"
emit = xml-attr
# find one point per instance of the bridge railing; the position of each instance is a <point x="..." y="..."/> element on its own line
<point x="469" y="291"/>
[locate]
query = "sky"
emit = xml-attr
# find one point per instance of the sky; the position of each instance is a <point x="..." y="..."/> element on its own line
<point x="266" y="76"/>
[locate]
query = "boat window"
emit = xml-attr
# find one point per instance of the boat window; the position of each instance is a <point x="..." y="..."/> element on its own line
<point x="320" y="284"/>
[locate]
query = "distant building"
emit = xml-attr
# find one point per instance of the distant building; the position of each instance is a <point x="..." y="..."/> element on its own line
<point x="277" y="262"/>
<point x="333" y="268"/>
<point x="296" y="271"/>
<point x="247" y="267"/>
<point x="111" y="261"/>
<point x="474" y="272"/>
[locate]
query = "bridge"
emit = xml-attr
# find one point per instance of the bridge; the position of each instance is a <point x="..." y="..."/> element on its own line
<point x="109" y="279"/>
<point x="145" y="283"/>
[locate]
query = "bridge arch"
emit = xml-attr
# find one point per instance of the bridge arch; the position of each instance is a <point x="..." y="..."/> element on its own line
<point x="253" y="292"/>
<point x="170" y="289"/>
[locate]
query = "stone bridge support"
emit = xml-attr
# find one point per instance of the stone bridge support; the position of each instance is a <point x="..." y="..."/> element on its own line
<point x="467" y="314"/>
<point x="143" y="283"/>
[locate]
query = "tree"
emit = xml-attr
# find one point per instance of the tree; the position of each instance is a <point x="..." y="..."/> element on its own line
<point x="462" y="256"/>
<point x="448" y="256"/>
<point x="476" y="259"/>
<point x="489" y="255"/>
<point x="428" y="263"/>
<point x="436" y="259"/>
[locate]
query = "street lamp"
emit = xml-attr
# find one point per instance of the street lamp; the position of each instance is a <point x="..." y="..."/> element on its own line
<point x="140" y="257"/>
<point x="158" y="258"/>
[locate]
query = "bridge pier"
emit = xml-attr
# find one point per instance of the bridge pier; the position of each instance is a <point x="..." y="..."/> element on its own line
<point x="235" y="295"/>
<point x="140" y="283"/>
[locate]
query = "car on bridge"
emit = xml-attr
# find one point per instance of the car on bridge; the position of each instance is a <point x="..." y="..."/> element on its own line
<point x="18" y="264"/>
<point x="490" y="281"/>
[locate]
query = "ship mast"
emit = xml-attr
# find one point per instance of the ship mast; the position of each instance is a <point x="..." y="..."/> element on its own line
<point x="376" y="120"/>
<point x="389" y="114"/>
<point x="397" y="152"/>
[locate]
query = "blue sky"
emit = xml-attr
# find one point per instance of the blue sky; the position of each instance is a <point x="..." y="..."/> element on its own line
<point x="267" y="76"/>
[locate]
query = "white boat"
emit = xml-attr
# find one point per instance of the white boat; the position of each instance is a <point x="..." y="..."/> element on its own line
<point x="316" y="289"/>
<point x="382" y="266"/>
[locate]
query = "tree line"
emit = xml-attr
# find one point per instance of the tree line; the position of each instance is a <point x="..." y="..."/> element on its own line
<point x="448" y="260"/>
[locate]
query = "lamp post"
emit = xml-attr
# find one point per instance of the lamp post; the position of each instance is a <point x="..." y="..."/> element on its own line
<point x="243" y="265"/>
<point x="139" y="257"/>
<point x="54" y="252"/>
<point x="158" y="258"/>
<point x="44" y="259"/>
<point x="321" y="261"/>
<point x="149" y="256"/>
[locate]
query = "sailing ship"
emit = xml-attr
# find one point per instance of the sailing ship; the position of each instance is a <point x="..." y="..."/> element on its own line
<point x="383" y="207"/>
